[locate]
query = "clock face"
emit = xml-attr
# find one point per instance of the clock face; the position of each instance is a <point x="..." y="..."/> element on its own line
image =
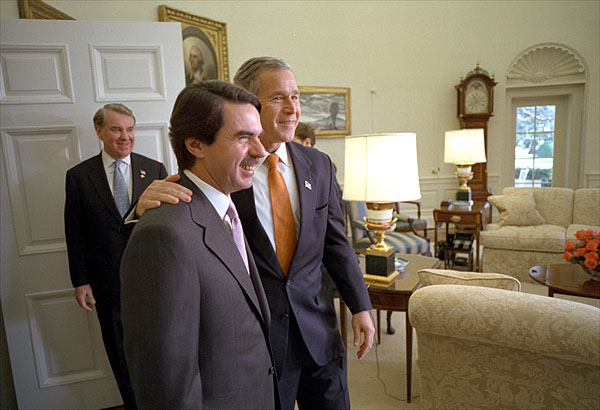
<point x="476" y="98"/>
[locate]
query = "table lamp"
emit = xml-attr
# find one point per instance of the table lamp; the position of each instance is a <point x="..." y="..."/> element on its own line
<point x="381" y="169"/>
<point x="464" y="148"/>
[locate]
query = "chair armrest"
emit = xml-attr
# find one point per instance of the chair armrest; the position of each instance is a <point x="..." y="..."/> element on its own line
<point x="417" y="203"/>
<point x="409" y="220"/>
<point x="357" y="225"/>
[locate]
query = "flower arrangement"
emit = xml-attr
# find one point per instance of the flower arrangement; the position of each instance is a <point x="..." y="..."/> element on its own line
<point x="586" y="252"/>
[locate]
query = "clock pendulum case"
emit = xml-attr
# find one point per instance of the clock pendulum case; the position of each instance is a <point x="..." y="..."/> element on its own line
<point x="475" y="107"/>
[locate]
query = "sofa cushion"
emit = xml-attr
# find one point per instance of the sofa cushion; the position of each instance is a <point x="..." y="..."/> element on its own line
<point x="554" y="204"/>
<point x="546" y="238"/>
<point x="430" y="277"/>
<point x="586" y="207"/>
<point x="517" y="209"/>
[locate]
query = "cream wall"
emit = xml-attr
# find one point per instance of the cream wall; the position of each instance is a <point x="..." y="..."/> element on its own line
<point x="400" y="59"/>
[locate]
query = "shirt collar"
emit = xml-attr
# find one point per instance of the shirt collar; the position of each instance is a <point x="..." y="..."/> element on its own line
<point x="218" y="199"/>
<point x="107" y="160"/>
<point x="281" y="152"/>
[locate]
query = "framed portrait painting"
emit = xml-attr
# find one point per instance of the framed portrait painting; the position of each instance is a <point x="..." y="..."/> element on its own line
<point x="204" y="45"/>
<point x="327" y="109"/>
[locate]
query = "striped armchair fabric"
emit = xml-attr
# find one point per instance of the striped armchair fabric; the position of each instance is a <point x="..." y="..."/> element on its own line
<point x="403" y="242"/>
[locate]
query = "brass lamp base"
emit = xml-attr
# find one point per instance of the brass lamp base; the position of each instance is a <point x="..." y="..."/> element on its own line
<point x="381" y="281"/>
<point x="463" y="194"/>
<point x="380" y="256"/>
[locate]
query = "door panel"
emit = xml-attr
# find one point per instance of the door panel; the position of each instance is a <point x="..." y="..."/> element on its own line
<point x="54" y="75"/>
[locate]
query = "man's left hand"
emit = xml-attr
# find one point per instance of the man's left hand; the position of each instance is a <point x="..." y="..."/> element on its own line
<point x="362" y="323"/>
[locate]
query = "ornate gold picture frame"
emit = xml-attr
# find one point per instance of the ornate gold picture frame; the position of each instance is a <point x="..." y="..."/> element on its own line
<point x="37" y="9"/>
<point x="327" y="109"/>
<point x="204" y="45"/>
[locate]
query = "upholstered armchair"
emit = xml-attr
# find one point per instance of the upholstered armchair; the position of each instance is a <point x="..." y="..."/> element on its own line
<point x="481" y="347"/>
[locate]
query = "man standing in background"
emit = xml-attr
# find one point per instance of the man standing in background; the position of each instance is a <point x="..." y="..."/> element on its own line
<point x="98" y="193"/>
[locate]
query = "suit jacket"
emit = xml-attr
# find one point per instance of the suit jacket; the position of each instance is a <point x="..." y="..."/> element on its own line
<point x="195" y="324"/>
<point x="95" y="242"/>
<point x="322" y="238"/>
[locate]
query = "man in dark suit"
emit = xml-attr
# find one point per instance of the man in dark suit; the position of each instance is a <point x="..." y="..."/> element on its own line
<point x="308" y="351"/>
<point x="195" y="315"/>
<point x="95" y="242"/>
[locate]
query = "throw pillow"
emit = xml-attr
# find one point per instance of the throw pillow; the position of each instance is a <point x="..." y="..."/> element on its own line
<point x="430" y="277"/>
<point x="517" y="209"/>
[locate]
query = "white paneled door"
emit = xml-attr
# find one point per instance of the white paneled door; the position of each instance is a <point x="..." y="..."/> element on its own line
<point x="53" y="76"/>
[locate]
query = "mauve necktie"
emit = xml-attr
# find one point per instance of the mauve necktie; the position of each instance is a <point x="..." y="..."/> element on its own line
<point x="283" y="218"/>
<point x="237" y="233"/>
<point x="120" y="189"/>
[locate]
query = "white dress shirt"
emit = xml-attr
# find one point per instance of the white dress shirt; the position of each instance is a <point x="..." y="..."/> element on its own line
<point x="218" y="199"/>
<point x="109" y="170"/>
<point x="262" y="197"/>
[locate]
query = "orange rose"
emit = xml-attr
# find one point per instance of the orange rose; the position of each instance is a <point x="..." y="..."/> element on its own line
<point x="580" y="251"/>
<point x="591" y="262"/>
<point x="567" y="255"/>
<point x="580" y="234"/>
<point x="569" y="246"/>
<point x="592" y="255"/>
<point x="592" y="245"/>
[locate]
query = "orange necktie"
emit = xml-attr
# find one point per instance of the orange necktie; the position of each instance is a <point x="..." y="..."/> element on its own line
<point x="283" y="218"/>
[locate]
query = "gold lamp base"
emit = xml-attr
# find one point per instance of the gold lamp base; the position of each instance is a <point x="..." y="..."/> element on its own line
<point x="381" y="281"/>
<point x="380" y="257"/>
<point x="463" y="194"/>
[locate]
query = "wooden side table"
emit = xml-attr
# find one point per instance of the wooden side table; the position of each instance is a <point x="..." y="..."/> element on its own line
<point x="566" y="278"/>
<point x="474" y="219"/>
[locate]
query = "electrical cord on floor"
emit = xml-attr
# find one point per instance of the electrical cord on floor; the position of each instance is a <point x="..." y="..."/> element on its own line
<point x="378" y="375"/>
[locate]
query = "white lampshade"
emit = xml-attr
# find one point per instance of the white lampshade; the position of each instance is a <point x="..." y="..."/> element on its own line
<point x="381" y="168"/>
<point x="464" y="146"/>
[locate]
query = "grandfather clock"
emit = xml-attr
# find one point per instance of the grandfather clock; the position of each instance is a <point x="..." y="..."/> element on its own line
<point x="475" y="107"/>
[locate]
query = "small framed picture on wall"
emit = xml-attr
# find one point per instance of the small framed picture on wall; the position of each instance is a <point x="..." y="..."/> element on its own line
<point x="327" y="109"/>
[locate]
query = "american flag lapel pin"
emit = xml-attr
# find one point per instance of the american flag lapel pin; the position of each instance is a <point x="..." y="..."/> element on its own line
<point x="142" y="174"/>
<point x="307" y="185"/>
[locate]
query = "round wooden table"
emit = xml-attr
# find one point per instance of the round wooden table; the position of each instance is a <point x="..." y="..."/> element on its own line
<point x="566" y="278"/>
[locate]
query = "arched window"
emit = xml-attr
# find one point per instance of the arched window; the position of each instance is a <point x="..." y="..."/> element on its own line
<point x="545" y="89"/>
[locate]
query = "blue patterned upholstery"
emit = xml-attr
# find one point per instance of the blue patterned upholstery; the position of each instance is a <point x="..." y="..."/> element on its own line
<point x="403" y="242"/>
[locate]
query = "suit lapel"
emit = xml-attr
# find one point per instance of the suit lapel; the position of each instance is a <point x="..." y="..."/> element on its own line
<point x="136" y="177"/>
<point x="306" y="182"/>
<point x="99" y="180"/>
<point x="220" y="242"/>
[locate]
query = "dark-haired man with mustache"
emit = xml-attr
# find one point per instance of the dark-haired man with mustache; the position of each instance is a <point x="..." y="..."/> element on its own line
<point x="195" y="315"/>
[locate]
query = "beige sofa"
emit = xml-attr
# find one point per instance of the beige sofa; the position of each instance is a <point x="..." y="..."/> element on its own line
<point x="534" y="226"/>
<point x="491" y="348"/>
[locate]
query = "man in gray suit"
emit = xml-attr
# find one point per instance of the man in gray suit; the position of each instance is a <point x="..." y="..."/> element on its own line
<point x="195" y="315"/>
